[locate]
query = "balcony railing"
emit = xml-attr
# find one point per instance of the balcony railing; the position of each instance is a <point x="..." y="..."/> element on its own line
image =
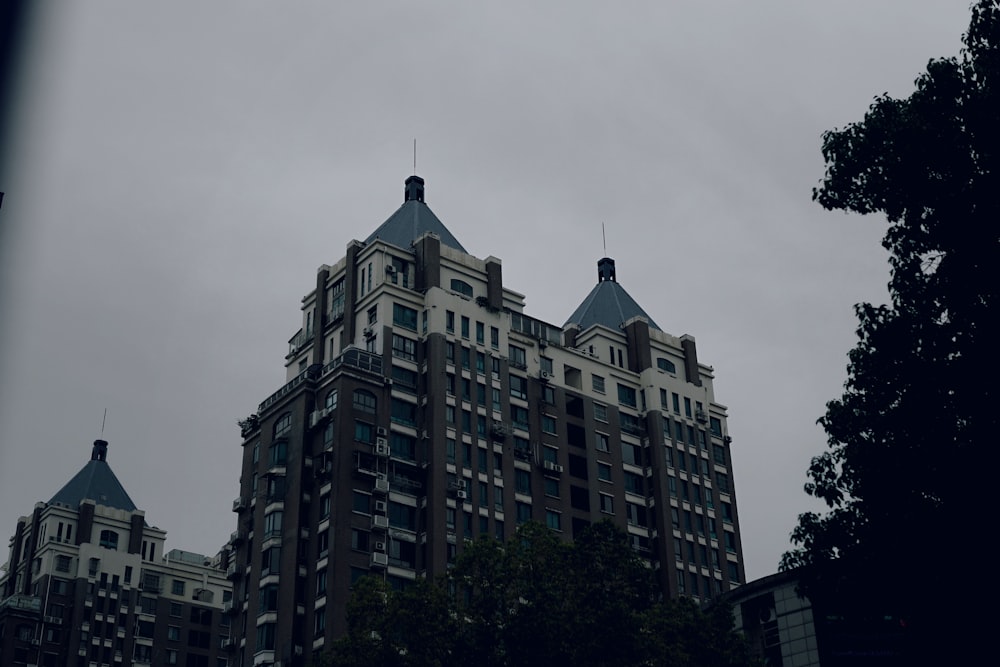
<point x="355" y="357"/>
<point x="22" y="602"/>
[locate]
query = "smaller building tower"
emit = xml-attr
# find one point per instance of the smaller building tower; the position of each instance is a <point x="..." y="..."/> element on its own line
<point x="87" y="583"/>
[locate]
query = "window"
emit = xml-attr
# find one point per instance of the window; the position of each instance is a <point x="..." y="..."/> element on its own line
<point x="319" y="621"/>
<point x="449" y="321"/>
<point x="283" y="425"/>
<point x="404" y="378"/>
<point x="600" y="412"/>
<point x="449" y="352"/>
<point x="722" y="481"/>
<point x="727" y="512"/>
<point x="687" y="407"/>
<point x="604" y="472"/>
<point x="404" y="412"/>
<point x="480" y="333"/>
<point x="461" y="287"/>
<point x="359" y="540"/>
<point x="633" y="483"/>
<point x="365" y="401"/>
<point x="272" y="525"/>
<point x="465" y="327"/>
<point x="331" y="400"/>
<point x="666" y="365"/>
<point x="631" y="454"/>
<point x="519" y="416"/>
<point x="553" y="520"/>
<point x="518" y="357"/>
<point x="676" y="403"/>
<point x="481" y="363"/>
<point x="549" y="424"/>
<point x="551" y="487"/>
<point x="518" y="387"/>
<point x="404" y="348"/>
<point x="715" y="426"/>
<point x="719" y="454"/>
<point x="730" y="541"/>
<point x="403" y="446"/>
<point x="635" y="514"/>
<point x="173" y="633"/>
<point x="626" y="395"/>
<point x="494" y="338"/>
<point x="607" y="504"/>
<point x="270" y="560"/>
<point x="602" y="442"/>
<point x="364" y="432"/>
<point x="265" y="637"/>
<point x="522" y="481"/>
<point x="278" y="453"/>
<point x="109" y="540"/>
<point x="361" y="502"/>
<point x="177" y="587"/>
<point x="598" y="383"/>
<point x="404" y="317"/>
<point x="523" y="511"/>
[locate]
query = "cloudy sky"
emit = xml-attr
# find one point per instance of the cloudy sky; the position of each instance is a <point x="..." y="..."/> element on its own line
<point x="176" y="172"/>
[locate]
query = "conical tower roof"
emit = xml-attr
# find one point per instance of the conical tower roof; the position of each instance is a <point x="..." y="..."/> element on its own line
<point x="95" y="481"/>
<point x="412" y="220"/>
<point x="608" y="304"/>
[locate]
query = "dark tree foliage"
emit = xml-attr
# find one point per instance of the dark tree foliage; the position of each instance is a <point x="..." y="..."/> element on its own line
<point x="536" y="600"/>
<point x="907" y="472"/>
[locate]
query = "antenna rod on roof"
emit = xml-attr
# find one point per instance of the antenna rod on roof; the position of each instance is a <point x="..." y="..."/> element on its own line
<point x="103" y="421"/>
<point x="414" y="157"/>
<point x="605" y="238"/>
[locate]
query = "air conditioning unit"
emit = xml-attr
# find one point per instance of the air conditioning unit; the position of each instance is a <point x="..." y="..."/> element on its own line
<point x="381" y="506"/>
<point x="380" y="546"/>
<point x="381" y="432"/>
<point x="381" y="447"/>
<point x="461" y="495"/>
<point x="545" y="376"/>
<point x="457" y="485"/>
<point x="380" y="560"/>
<point x="368" y="332"/>
<point x="552" y="467"/>
<point x="36" y="642"/>
<point x="380" y="522"/>
<point x="382" y="483"/>
<point x="701" y="416"/>
<point x="390" y="269"/>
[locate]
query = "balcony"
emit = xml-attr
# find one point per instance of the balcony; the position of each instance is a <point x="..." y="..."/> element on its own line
<point x="23" y="603"/>
<point x="239" y="505"/>
<point x="355" y="357"/>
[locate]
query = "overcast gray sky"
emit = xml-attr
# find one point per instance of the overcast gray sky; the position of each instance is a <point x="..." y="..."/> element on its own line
<point x="179" y="171"/>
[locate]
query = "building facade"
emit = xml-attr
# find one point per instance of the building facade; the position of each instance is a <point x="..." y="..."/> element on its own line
<point x="87" y="584"/>
<point x="424" y="408"/>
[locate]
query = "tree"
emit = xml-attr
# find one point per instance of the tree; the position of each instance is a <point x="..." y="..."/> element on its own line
<point x="918" y="413"/>
<point x="536" y="600"/>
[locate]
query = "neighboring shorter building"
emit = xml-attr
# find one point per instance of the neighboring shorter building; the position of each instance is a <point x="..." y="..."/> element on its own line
<point x="87" y="583"/>
<point x="776" y="620"/>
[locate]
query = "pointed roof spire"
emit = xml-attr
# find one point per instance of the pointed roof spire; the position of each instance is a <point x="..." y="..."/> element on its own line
<point x="608" y="304"/>
<point x="95" y="481"/>
<point x="412" y="220"/>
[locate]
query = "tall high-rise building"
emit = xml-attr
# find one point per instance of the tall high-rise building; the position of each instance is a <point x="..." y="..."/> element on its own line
<point x="424" y="408"/>
<point x="87" y="584"/>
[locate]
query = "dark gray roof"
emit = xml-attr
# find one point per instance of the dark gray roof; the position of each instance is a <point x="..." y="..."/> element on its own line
<point x="608" y="303"/>
<point x="412" y="220"/>
<point x="96" y="482"/>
